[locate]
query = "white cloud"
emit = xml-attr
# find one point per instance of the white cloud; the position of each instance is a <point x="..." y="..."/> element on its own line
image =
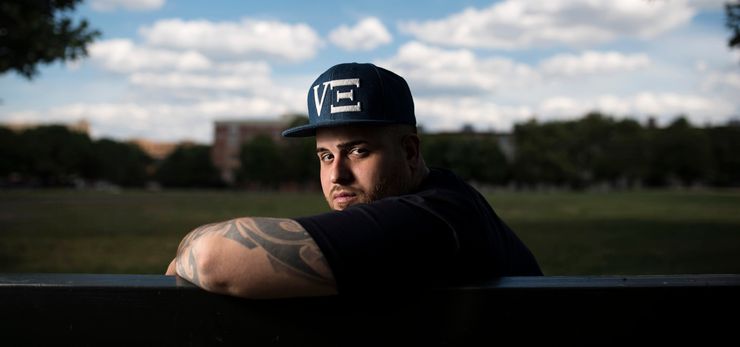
<point x="518" y="24"/>
<point x="243" y="77"/>
<point x="449" y="114"/>
<point x="177" y="92"/>
<point x="248" y="38"/>
<point x="665" y="106"/>
<point x="366" y="35"/>
<point x="159" y="121"/>
<point x="433" y="69"/>
<point x="121" y="55"/>
<point x="727" y="81"/>
<point x="427" y="67"/>
<point x="163" y="71"/>
<point x="560" y="107"/>
<point x="191" y="81"/>
<point x="134" y="5"/>
<point x="184" y="74"/>
<point x="591" y="62"/>
<point x="698" y="108"/>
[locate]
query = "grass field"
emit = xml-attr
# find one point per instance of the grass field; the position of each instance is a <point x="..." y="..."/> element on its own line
<point x="645" y="232"/>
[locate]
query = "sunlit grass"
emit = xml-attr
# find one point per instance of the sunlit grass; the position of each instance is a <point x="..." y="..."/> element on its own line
<point x="643" y="232"/>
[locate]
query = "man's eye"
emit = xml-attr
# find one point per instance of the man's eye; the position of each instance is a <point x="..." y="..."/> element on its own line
<point x="325" y="156"/>
<point x="359" y="151"/>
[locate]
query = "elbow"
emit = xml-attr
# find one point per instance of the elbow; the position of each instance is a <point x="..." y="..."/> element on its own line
<point x="210" y="278"/>
<point x="209" y="266"/>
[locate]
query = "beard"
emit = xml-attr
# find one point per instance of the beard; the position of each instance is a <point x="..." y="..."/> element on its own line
<point x="393" y="185"/>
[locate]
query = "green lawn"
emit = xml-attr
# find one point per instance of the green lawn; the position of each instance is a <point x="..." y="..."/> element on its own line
<point x="646" y="232"/>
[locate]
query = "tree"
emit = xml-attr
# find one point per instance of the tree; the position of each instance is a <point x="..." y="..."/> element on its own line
<point x="544" y="154"/>
<point x="606" y="151"/>
<point x="725" y="148"/>
<point x="40" y="31"/>
<point x="10" y="155"/>
<point x="475" y="157"/>
<point x="733" y="23"/>
<point x="54" y="154"/>
<point x="579" y="153"/>
<point x="624" y="159"/>
<point x="189" y="166"/>
<point x="120" y="163"/>
<point x="586" y="146"/>
<point x="680" y="153"/>
<point x="300" y="164"/>
<point x="262" y="163"/>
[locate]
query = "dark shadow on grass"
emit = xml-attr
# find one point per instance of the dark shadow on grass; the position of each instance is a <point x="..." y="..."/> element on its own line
<point x="8" y="262"/>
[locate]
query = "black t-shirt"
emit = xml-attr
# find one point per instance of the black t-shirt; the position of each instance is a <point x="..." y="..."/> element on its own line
<point x="445" y="233"/>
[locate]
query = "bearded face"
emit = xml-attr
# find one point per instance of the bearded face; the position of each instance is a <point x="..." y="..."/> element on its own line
<point x="361" y="164"/>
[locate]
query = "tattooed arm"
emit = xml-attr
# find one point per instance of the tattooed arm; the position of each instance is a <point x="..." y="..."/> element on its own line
<point x="255" y="258"/>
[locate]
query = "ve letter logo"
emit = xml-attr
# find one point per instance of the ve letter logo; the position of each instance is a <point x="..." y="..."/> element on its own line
<point x="349" y="95"/>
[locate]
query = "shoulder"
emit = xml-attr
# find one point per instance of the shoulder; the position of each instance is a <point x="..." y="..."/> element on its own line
<point x="444" y="181"/>
<point x="445" y="190"/>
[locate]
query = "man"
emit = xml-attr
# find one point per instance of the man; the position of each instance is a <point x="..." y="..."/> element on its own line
<point x="396" y="223"/>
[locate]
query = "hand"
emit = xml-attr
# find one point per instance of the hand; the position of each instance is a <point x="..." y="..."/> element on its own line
<point x="171" y="269"/>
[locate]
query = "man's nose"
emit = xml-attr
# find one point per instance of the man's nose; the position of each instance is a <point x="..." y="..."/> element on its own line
<point x="340" y="172"/>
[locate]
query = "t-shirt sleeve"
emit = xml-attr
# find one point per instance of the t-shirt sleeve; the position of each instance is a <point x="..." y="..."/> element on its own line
<point x="385" y="245"/>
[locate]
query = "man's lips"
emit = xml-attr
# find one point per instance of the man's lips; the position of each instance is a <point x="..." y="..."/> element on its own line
<point x="343" y="196"/>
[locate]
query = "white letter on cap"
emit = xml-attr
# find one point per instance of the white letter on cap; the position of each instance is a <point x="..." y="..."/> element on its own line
<point x="345" y="95"/>
<point x="317" y="102"/>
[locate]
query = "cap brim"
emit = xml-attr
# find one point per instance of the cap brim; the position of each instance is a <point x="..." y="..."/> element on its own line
<point x="310" y="129"/>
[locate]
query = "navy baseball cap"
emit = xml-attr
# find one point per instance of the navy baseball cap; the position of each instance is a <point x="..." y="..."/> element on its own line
<point x="349" y="94"/>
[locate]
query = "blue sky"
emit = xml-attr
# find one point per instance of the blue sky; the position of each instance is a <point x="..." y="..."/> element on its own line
<point x="166" y="69"/>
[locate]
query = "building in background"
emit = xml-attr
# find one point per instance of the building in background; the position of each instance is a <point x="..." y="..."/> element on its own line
<point x="230" y="135"/>
<point x="157" y="150"/>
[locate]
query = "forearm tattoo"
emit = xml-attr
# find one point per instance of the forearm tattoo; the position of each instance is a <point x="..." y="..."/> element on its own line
<point x="289" y="247"/>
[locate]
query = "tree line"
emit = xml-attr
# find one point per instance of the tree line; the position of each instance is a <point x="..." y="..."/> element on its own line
<point x="598" y="149"/>
<point x="55" y="155"/>
<point x="593" y="150"/>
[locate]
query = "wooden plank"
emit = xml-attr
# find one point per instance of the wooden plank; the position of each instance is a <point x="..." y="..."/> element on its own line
<point x="538" y="282"/>
<point x="646" y="281"/>
<point x="84" y="309"/>
<point x="92" y="281"/>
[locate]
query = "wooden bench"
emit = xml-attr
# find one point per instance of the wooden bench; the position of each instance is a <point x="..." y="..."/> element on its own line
<point x="87" y="309"/>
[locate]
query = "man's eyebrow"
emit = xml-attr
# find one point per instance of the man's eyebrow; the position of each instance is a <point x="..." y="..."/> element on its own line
<point x="344" y="145"/>
<point x="350" y="144"/>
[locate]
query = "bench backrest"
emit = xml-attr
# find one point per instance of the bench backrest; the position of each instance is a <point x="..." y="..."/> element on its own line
<point x="83" y="309"/>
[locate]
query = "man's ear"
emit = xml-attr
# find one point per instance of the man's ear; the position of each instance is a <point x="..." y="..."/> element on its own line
<point x="410" y="146"/>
